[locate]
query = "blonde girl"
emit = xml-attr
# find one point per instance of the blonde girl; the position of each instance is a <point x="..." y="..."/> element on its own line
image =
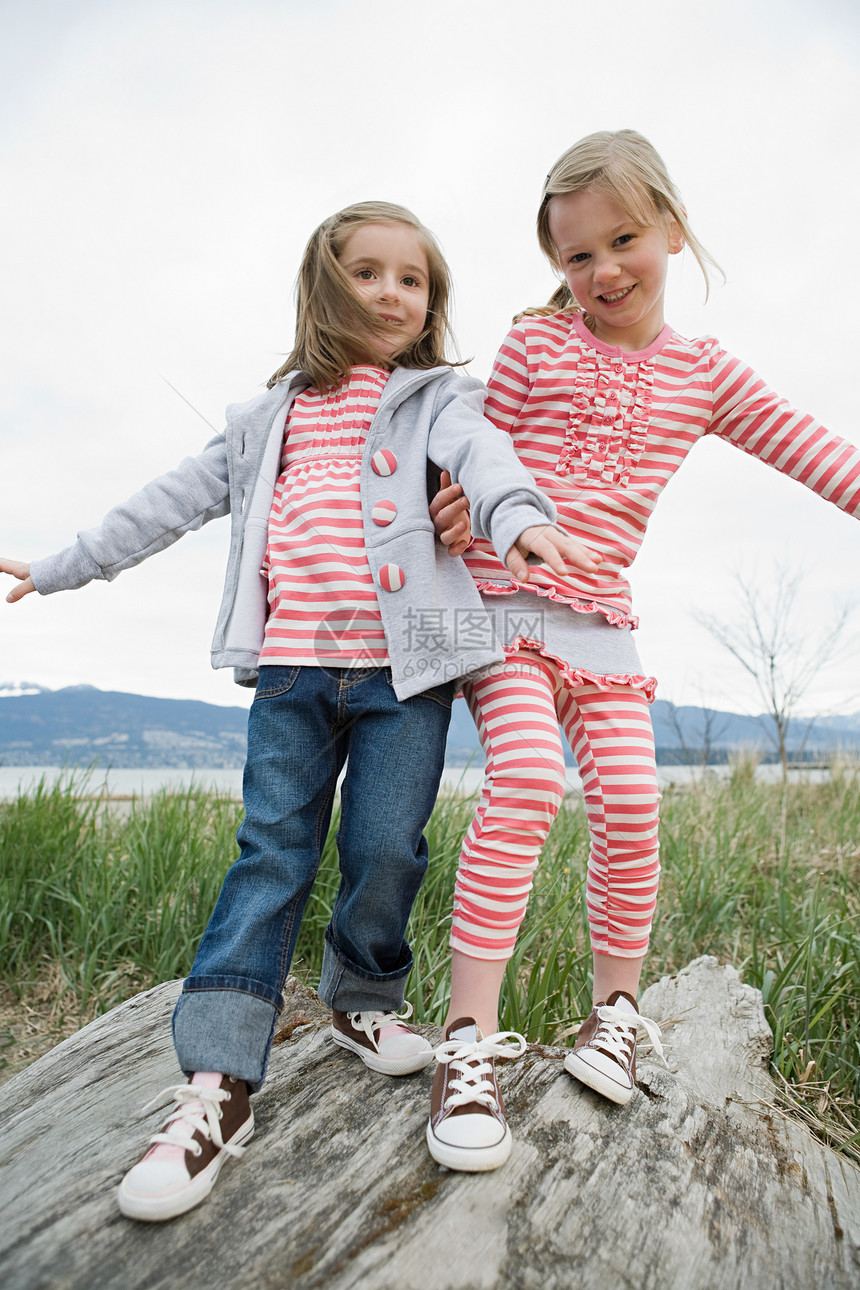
<point x="332" y="555"/>
<point x="603" y="400"/>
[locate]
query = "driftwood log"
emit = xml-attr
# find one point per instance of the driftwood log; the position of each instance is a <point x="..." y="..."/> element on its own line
<point x="696" y="1185"/>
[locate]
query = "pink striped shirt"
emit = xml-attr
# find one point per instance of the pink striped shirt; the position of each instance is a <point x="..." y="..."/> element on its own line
<point x="603" y="431"/>
<point x="322" y="599"/>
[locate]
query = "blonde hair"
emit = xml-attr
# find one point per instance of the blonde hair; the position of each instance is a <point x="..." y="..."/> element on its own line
<point x="626" y="166"/>
<point x="334" y="328"/>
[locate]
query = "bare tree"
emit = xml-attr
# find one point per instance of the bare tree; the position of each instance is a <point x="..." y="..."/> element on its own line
<point x="712" y="726"/>
<point x="673" y="717"/>
<point x="696" y="739"/>
<point x="772" y="645"/>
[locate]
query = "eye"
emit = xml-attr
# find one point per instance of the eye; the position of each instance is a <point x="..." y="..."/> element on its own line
<point x="409" y="281"/>
<point x="579" y="258"/>
<point x="366" y="275"/>
<point x="624" y="239"/>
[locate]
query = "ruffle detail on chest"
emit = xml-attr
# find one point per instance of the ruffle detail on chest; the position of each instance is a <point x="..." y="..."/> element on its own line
<point x="578" y="676"/>
<point x="332" y="425"/>
<point x="615" y="617"/>
<point x="345" y="460"/>
<point x="610" y="411"/>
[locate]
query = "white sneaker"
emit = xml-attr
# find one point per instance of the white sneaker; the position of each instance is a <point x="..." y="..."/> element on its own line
<point x="184" y="1160"/>
<point x="467" y="1129"/>
<point x="382" y="1041"/>
<point x="604" y="1055"/>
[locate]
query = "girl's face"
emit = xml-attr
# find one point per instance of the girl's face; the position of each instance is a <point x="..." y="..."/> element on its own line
<point x="387" y="266"/>
<point x="615" y="267"/>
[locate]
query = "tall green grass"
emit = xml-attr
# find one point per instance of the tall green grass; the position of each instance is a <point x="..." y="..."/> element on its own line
<point x="764" y="877"/>
<point x="116" y="903"/>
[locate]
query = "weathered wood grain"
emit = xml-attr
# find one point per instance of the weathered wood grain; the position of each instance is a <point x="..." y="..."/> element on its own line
<point x="694" y="1186"/>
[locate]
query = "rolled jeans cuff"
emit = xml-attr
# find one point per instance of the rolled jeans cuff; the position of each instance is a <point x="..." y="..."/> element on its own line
<point x="349" y="988"/>
<point x="225" y="1025"/>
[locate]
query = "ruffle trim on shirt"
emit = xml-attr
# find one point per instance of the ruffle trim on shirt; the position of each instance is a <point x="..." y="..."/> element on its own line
<point x="581" y="675"/>
<point x="615" y="617"/>
<point x="610" y="412"/>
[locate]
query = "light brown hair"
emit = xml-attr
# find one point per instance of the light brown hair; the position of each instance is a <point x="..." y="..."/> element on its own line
<point x="625" y="165"/>
<point x="334" y="328"/>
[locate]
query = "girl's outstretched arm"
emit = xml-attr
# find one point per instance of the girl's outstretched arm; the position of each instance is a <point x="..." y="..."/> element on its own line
<point x="552" y="547"/>
<point x="749" y="414"/>
<point x="21" y="571"/>
<point x="178" y="502"/>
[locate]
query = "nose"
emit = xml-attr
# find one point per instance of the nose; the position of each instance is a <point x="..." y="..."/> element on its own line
<point x="388" y="287"/>
<point x="606" y="268"/>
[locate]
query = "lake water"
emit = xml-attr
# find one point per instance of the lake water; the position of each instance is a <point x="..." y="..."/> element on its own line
<point x="144" y="782"/>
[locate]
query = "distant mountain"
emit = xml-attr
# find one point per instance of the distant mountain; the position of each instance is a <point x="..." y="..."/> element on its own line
<point x="82" y="726"/>
<point x="14" y="689"/>
<point x="681" y="735"/>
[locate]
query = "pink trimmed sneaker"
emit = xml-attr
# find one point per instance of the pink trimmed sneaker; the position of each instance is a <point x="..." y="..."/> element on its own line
<point x="467" y="1129"/>
<point x="213" y="1119"/>
<point x="382" y="1041"/>
<point x="604" y="1055"/>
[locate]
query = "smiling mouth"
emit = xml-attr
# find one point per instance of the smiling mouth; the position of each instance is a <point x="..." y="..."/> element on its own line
<point x="614" y="298"/>
<point x="389" y="318"/>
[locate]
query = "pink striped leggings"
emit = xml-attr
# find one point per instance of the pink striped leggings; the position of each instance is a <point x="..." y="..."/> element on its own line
<point x="517" y="713"/>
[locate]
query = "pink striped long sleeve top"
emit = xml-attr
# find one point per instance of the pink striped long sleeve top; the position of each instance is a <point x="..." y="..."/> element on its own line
<point x="323" y="607"/>
<point x="604" y="430"/>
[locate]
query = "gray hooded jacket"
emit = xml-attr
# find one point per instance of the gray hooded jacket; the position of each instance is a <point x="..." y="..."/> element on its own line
<point x="435" y="626"/>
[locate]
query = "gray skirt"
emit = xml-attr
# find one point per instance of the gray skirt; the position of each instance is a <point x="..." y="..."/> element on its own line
<point x="585" y="646"/>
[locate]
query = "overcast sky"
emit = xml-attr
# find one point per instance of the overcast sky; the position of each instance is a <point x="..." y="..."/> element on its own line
<point x="165" y="162"/>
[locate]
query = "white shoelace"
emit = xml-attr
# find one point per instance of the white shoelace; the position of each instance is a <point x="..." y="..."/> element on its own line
<point x="374" y="1021"/>
<point x="189" y="1114"/>
<point x="473" y="1062"/>
<point x="614" y="1027"/>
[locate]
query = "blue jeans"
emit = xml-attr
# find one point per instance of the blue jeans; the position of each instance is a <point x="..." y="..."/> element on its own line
<point x="304" y="724"/>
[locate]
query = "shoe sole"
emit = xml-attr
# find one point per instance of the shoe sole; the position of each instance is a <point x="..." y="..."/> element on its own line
<point x="597" y="1081"/>
<point x="469" y="1160"/>
<point x="384" y="1065"/>
<point x="155" y="1209"/>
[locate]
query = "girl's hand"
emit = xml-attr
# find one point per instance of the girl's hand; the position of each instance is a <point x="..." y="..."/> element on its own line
<point x="449" y="512"/>
<point x="553" y="548"/>
<point x="21" y="571"/>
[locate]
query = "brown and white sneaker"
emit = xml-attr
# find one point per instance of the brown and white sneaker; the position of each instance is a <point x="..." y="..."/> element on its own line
<point x="212" y="1120"/>
<point x="604" y="1054"/>
<point x="382" y="1041"/>
<point x="467" y="1129"/>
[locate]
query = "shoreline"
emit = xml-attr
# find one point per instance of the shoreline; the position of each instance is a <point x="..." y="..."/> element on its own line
<point x="128" y="784"/>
